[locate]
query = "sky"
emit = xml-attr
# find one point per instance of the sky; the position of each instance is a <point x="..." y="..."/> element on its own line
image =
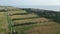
<point x="32" y="3"/>
<point x="29" y="2"/>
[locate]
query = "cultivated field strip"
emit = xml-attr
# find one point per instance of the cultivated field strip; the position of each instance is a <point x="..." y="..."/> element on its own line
<point x="24" y="24"/>
<point x="24" y="16"/>
<point x="14" y="12"/>
<point x="20" y="14"/>
<point x="38" y="20"/>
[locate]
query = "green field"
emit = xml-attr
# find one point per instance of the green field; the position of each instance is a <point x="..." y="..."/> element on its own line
<point x="42" y="28"/>
<point x="24" y="16"/>
<point x="42" y="25"/>
<point x="14" y="12"/>
<point x="3" y="23"/>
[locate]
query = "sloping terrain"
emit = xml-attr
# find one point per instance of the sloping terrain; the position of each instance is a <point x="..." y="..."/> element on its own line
<point x="28" y="22"/>
<point x="50" y="14"/>
<point x="31" y="24"/>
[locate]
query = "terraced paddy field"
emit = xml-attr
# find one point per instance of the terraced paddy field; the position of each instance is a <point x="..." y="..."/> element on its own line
<point x="28" y="23"/>
<point x="33" y="24"/>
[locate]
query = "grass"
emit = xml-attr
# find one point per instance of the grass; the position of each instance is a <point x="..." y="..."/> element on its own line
<point x="24" y="16"/>
<point x="21" y="29"/>
<point x="13" y="12"/>
<point x="42" y="27"/>
<point x="26" y="21"/>
<point x="57" y="32"/>
<point x="2" y="30"/>
<point x="48" y="28"/>
<point x="30" y="20"/>
<point x="3" y="22"/>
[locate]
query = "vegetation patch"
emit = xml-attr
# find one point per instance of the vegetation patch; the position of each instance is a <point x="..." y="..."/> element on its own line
<point x="2" y="30"/>
<point x="24" y="18"/>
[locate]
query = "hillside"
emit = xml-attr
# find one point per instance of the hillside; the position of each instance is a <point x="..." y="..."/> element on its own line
<point x="29" y="21"/>
<point x="9" y="8"/>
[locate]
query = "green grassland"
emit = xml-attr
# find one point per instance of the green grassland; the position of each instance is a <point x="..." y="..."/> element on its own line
<point x="41" y="28"/>
<point x="14" y="12"/>
<point x="42" y="25"/>
<point x="3" y="22"/>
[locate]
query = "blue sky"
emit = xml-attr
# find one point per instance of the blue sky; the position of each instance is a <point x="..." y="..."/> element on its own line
<point x="45" y="4"/>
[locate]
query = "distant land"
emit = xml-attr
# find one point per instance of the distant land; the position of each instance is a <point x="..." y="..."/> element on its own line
<point x="54" y="8"/>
